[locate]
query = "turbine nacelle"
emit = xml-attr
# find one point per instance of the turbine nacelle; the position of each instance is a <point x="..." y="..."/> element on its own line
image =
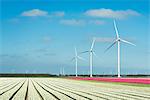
<point x="91" y="51"/>
<point x="118" y="39"/>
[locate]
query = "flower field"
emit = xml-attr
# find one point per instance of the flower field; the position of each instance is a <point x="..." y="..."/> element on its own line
<point x="68" y="89"/>
<point x="123" y="80"/>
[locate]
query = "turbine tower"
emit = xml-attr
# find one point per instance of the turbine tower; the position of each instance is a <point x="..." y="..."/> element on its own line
<point x="76" y="57"/>
<point x="117" y="41"/>
<point x="91" y="52"/>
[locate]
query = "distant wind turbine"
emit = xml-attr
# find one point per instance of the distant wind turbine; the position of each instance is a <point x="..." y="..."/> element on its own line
<point x="118" y="40"/>
<point x="76" y="57"/>
<point x="91" y="52"/>
<point x="63" y="71"/>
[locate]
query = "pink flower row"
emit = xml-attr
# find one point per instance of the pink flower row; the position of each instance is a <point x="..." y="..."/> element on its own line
<point x="124" y="80"/>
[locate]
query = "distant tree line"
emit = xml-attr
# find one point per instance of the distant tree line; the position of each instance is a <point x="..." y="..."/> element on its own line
<point x="27" y="75"/>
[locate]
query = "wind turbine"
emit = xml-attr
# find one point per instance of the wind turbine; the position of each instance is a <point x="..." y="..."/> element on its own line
<point x="117" y="41"/>
<point x="62" y="71"/>
<point x="76" y="57"/>
<point x="91" y="52"/>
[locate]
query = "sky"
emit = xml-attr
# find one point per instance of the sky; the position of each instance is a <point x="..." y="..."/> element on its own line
<point x="39" y="36"/>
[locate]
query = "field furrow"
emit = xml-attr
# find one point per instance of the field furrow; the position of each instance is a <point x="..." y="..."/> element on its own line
<point x="66" y="89"/>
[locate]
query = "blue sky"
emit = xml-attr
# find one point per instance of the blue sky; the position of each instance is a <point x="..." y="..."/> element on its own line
<point x="39" y="36"/>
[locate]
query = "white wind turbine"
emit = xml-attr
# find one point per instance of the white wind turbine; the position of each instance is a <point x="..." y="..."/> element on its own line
<point x="91" y="52"/>
<point x="76" y="57"/>
<point x="118" y="40"/>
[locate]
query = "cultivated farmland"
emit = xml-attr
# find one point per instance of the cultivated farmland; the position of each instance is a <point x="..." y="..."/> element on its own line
<point x="66" y="89"/>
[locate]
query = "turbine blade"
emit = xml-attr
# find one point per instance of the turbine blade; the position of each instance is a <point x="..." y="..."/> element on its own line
<point x="75" y="51"/>
<point x="111" y="45"/>
<point x="127" y="42"/>
<point x="72" y="59"/>
<point x="93" y="42"/>
<point x="98" y="58"/>
<point x="81" y="58"/>
<point x="95" y="54"/>
<point x="84" y="52"/>
<point x="116" y="29"/>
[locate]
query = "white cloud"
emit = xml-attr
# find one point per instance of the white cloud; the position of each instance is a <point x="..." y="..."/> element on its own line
<point x="97" y="22"/>
<point x="58" y="13"/>
<point x="38" y="12"/>
<point x="72" y="22"/>
<point x="109" y="13"/>
<point x="35" y="12"/>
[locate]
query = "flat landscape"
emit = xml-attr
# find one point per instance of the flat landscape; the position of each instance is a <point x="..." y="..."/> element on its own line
<point x="69" y="89"/>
